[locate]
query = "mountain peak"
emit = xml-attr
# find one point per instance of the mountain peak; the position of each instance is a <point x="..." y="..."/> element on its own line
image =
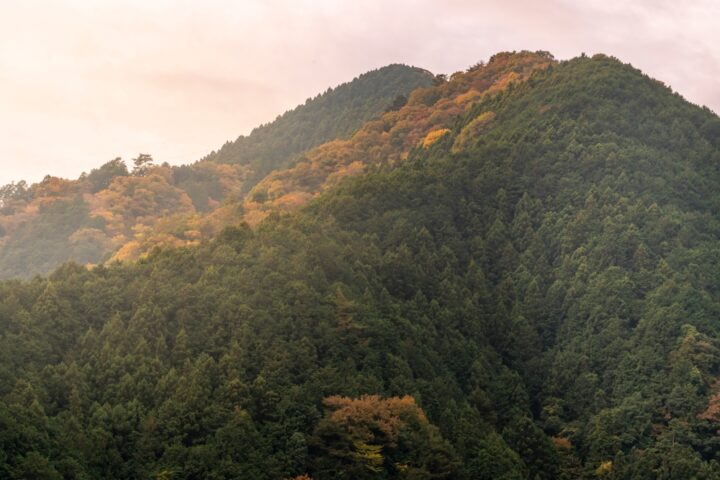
<point x="391" y="137"/>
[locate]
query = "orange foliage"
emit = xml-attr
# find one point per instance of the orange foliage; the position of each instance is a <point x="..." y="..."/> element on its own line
<point x="467" y="97"/>
<point x="562" y="443"/>
<point x="361" y="416"/>
<point x="130" y="201"/>
<point x="54" y="187"/>
<point x="605" y="468"/>
<point x="390" y="138"/>
<point x="712" y="412"/>
<point x="434" y="136"/>
<point x="352" y="169"/>
<point x="128" y="251"/>
<point x="141" y="212"/>
<point x="292" y="200"/>
<point x="253" y="217"/>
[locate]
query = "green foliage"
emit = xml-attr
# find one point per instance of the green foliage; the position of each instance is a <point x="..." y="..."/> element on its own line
<point x="100" y="178"/>
<point x="41" y="245"/>
<point x="337" y="113"/>
<point x="12" y="193"/>
<point x="142" y="164"/>
<point x="537" y="301"/>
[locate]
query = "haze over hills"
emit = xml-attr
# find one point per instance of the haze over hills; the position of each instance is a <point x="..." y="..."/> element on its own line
<point x="116" y="212"/>
<point x="511" y="275"/>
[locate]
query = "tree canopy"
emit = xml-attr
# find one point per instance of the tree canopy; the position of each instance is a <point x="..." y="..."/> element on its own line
<point x="532" y="295"/>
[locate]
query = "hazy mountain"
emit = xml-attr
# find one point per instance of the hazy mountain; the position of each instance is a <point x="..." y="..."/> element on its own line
<point x="116" y="212"/>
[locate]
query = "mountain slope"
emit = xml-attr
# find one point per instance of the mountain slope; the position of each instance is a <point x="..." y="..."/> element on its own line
<point x="111" y="212"/>
<point x="389" y="139"/>
<point x="335" y="114"/>
<point x="530" y="294"/>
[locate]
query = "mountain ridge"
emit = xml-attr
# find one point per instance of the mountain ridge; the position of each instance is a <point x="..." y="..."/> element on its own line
<point x="109" y="207"/>
<point x="375" y="142"/>
<point x="531" y="293"/>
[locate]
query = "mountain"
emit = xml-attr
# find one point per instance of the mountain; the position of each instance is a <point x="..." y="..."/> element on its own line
<point x="386" y="139"/>
<point x="427" y="116"/>
<point x="335" y="114"/>
<point x="112" y="212"/>
<point x="523" y="285"/>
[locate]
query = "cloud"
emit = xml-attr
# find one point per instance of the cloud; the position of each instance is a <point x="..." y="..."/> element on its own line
<point x="83" y="81"/>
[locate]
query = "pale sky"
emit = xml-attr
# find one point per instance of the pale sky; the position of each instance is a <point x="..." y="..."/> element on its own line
<point x="84" y="81"/>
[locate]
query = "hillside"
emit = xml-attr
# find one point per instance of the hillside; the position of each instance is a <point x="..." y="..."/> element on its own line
<point x="121" y="214"/>
<point x="387" y="139"/>
<point x="525" y="287"/>
<point x="335" y="114"/>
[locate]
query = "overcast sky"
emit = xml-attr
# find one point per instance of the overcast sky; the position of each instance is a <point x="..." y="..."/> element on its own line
<point x="82" y="82"/>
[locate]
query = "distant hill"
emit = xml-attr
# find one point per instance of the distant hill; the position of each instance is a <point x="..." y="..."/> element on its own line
<point x="113" y="212"/>
<point x="335" y="114"/>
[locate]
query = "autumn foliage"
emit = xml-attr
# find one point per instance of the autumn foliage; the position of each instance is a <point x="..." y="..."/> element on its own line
<point x="434" y="136"/>
<point x="374" y="434"/>
<point x="424" y="119"/>
<point x="123" y="215"/>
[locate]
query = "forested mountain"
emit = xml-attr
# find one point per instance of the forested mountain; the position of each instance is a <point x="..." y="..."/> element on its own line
<point x="113" y="212"/>
<point x="426" y="117"/>
<point x="526" y="289"/>
<point x="335" y="114"/>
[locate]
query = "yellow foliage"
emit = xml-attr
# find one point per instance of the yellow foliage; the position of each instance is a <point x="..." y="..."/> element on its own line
<point x="55" y="187"/>
<point x="141" y="212"/>
<point x="165" y="474"/>
<point x="434" y="136"/>
<point x="604" y="468"/>
<point x="254" y="217"/>
<point x="504" y="81"/>
<point x="292" y="200"/>
<point x="390" y="138"/>
<point x="192" y="234"/>
<point x="130" y="201"/>
<point x="128" y="251"/>
<point x="370" y="455"/>
<point x="467" y="97"/>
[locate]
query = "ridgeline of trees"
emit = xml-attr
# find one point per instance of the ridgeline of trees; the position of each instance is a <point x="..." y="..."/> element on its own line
<point x="116" y="213"/>
<point x="337" y="113"/>
<point x="532" y="295"/>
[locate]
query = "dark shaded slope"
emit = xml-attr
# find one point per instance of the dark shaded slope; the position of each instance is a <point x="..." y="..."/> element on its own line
<point x="590" y="203"/>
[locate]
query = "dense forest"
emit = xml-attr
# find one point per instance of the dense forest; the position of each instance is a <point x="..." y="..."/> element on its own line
<point x="530" y="291"/>
<point x="114" y="212"/>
